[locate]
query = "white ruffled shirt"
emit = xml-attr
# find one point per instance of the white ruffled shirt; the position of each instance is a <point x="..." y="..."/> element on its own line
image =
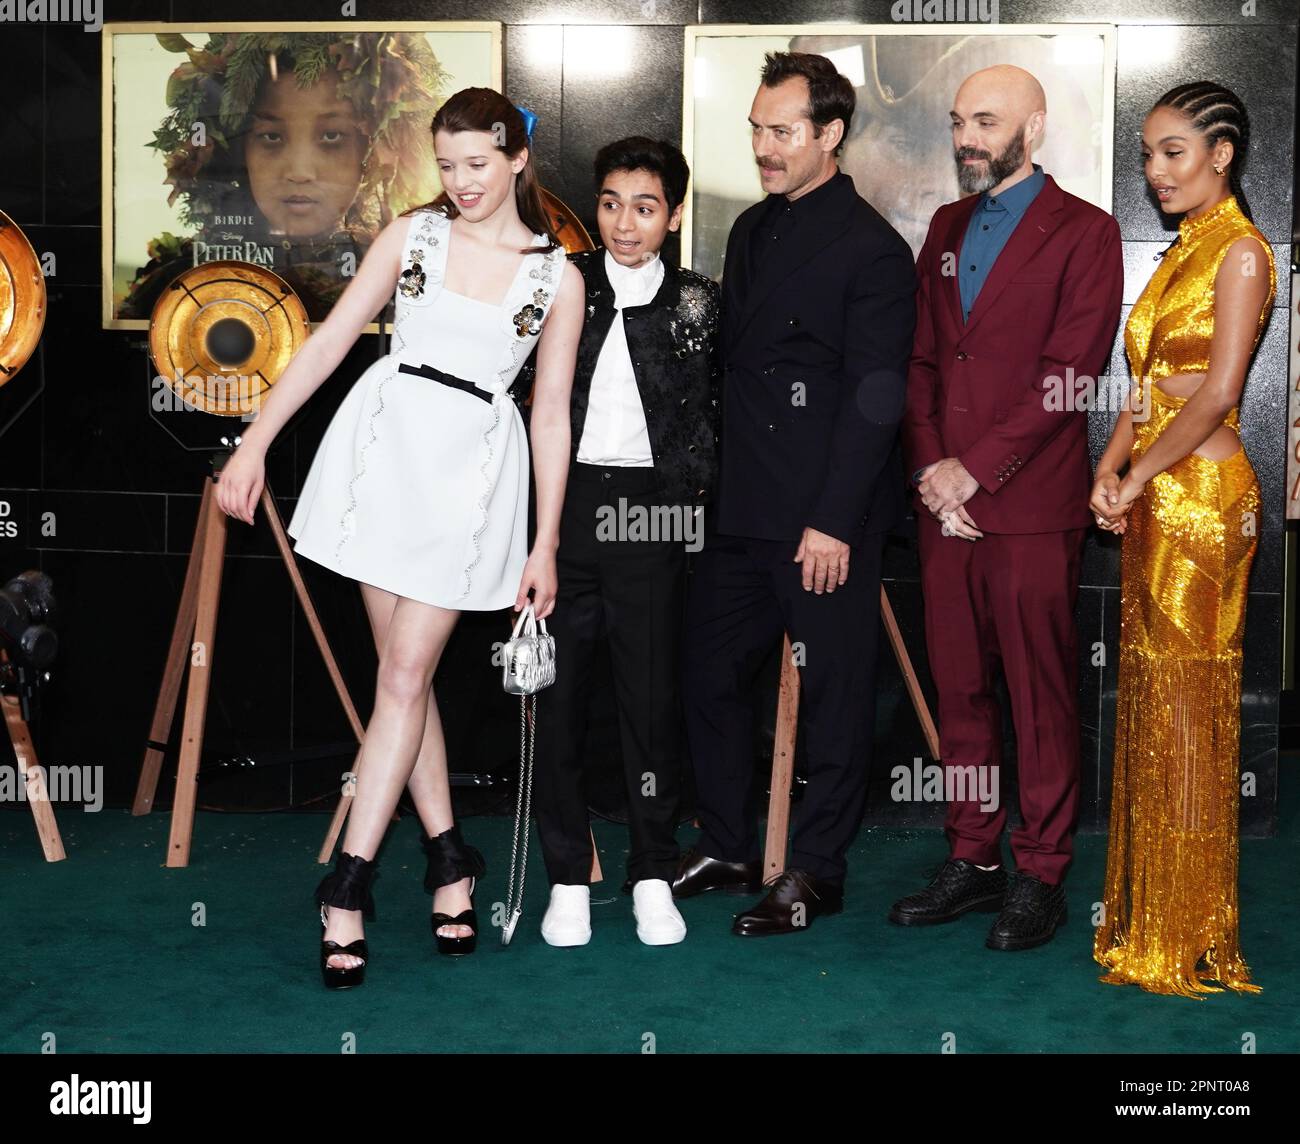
<point x="614" y="432"/>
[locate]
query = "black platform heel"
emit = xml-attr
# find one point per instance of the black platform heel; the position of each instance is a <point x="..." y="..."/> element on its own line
<point x="348" y="888"/>
<point x="450" y="860"/>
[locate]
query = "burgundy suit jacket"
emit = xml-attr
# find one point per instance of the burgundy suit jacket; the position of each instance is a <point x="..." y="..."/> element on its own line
<point x="996" y="392"/>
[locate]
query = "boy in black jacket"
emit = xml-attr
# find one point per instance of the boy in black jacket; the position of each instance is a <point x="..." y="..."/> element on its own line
<point x="643" y="465"/>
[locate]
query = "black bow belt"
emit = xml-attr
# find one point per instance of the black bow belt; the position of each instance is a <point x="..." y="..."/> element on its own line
<point x="437" y="375"/>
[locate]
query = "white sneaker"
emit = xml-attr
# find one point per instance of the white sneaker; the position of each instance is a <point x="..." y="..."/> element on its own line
<point x="568" y="917"/>
<point x="658" y="921"/>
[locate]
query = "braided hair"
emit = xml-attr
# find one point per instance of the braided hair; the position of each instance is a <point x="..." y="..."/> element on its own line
<point x="1218" y="114"/>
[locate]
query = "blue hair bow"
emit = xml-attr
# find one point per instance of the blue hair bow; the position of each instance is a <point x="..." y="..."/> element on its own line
<point x="529" y="120"/>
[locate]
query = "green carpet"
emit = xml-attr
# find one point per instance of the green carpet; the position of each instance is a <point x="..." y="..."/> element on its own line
<point x="102" y="953"/>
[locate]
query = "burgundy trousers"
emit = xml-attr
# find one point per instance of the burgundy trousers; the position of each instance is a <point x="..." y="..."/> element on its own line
<point x="1006" y="599"/>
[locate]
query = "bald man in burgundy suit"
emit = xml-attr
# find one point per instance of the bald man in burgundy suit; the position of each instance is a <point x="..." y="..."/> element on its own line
<point x="1020" y="289"/>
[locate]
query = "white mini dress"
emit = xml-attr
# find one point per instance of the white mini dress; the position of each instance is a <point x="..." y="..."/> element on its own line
<point x="419" y="487"/>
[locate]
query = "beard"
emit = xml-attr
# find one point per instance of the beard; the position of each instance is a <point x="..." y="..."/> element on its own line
<point x="997" y="168"/>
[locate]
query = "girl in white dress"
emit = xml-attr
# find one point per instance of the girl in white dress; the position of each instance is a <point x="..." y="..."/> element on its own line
<point x="419" y="489"/>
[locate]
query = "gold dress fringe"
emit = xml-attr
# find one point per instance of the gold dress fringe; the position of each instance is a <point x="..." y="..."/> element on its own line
<point x="1170" y="920"/>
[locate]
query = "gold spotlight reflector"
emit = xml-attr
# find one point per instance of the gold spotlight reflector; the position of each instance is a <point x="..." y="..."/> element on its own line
<point x="22" y="299"/>
<point x="568" y="229"/>
<point x="222" y="333"/>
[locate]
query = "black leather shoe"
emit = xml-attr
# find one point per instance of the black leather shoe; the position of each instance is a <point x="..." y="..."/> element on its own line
<point x="1031" y="915"/>
<point x="793" y="900"/>
<point x="957" y="888"/>
<point x="697" y="873"/>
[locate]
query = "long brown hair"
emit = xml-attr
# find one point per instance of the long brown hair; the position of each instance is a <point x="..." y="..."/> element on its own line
<point x="483" y="109"/>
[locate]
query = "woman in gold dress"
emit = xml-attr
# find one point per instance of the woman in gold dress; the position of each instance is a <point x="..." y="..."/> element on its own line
<point x="1188" y="507"/>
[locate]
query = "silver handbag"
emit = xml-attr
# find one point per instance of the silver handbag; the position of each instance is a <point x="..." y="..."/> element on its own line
<point x="528" y="664"/>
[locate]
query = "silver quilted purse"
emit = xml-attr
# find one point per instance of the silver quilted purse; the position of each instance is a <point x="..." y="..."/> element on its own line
<point x="528" y="663"/>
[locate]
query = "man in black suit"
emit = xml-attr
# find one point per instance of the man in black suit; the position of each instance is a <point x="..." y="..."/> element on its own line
<point x="818" y="315"/>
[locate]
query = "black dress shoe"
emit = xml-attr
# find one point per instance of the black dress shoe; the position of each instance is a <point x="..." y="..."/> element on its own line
<point x="792" y="901"/>
<point x="957" y="888"/>
<point x="1032" y="913"/>
<point x="697" y="873"/>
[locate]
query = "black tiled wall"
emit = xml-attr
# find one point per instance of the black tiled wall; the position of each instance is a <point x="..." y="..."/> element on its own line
<point x="103" y="499"/>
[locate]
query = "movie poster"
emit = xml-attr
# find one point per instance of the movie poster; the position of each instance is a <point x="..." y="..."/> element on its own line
<point x="286" y="148"/>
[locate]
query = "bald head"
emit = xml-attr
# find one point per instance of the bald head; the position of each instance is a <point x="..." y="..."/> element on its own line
<point x="997" y="117"/>
<point x="1010" y="90"/>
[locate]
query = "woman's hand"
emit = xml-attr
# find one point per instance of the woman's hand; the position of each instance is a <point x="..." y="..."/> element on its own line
<point x="540" y="576"/>
<point x="1104" y="502"/>
<point x="1115" y="525"/>
<point x="239" y="484"/>
<point x="1129" y="491"/>
<point x="1113" y="503"/>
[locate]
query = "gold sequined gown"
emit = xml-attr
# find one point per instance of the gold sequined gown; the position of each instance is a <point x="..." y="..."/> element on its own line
<point x="1170" y="921"/>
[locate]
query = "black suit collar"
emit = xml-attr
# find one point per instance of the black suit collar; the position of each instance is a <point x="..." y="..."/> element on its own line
<point x="831" y="207"/>
<point x="818" y="199"/>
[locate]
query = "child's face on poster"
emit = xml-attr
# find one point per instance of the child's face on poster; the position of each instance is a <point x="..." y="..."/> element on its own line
<point x="303" y="151"/>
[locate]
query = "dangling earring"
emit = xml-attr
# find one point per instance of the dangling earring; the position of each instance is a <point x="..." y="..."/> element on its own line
<point x="1218" y="170"/>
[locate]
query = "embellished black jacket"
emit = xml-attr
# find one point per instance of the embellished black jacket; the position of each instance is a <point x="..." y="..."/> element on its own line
<point x="673" y="343"/>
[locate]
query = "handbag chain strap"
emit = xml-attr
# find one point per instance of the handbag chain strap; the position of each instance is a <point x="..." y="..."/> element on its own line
<point x="523" y="811"/>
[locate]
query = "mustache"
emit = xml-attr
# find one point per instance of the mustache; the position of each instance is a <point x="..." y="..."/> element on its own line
<point x="771" y="166"/>
<point x="971" y="153"/>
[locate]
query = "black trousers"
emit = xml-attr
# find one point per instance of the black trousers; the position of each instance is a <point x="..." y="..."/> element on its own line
<point x="744" y="593"/>
<point x="633" y="592"/>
